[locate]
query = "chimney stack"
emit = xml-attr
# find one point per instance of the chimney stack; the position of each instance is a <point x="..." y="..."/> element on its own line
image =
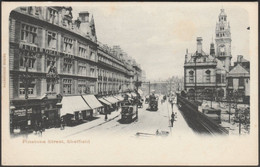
<point x="84" y="17"/>
<point x="77" y="23"/>
<point x="199" y="45"/>
<point x="186" y="56"/>
<point x="239" y="58"/>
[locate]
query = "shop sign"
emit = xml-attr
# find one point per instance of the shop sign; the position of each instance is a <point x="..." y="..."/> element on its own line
<point x="22" y="112"/>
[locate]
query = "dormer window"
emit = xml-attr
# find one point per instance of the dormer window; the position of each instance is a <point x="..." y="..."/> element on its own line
<point x="52" y="16"/>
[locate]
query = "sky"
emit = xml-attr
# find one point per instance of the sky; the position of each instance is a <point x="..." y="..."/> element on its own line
<point x="157" y="35"/>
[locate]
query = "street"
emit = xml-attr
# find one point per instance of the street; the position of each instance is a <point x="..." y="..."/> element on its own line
<point x="146" y="125"/>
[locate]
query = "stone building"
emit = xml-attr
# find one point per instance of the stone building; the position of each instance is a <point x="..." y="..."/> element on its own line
<point x="203" y="74"/>
<point x="55" y="62"/>
<point x="208" y="71"/>
<point x="239" y="79"/>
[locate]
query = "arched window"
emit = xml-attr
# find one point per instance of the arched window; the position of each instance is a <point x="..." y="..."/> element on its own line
<point x="208" y="76"/>
<point x="191" y="76"/>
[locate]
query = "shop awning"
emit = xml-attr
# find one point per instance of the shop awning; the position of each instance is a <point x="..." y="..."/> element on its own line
<point x="119" y="97"/>
<point x="128" y="94"/>
<point x="104" y="101"/>
<point x="92" y="101"/>
<point x="140" y="92"/>
<point x="133" y="94"/>
<point x="70" y="104"/>
<point x="111" y="99"/>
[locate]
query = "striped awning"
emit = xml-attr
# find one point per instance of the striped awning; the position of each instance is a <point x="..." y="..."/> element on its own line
<point x="128" y="94"/>
<point x="133" y="94"/>
<point x="140" y="92"/>
<point x="71" y="104"/>
<point x="119" y="97"/>
<point x="104" y="101"/>
<point x="111" y="99"/>
<point x="92" y="101"/>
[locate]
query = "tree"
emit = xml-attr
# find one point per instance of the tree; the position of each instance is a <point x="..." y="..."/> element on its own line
<point x="242" y="116"/>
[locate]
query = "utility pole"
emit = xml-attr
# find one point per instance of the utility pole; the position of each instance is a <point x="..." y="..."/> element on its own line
<point x="26" y="80"/>
<point x="137" y="85"/>
<point x="149" y="87"/>
<point x="195" y="78"/>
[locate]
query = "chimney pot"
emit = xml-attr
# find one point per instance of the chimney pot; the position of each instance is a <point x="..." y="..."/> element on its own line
<point x="199" y="44"/>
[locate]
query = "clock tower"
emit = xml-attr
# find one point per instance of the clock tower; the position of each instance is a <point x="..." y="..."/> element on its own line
<point x="223" y="40"/>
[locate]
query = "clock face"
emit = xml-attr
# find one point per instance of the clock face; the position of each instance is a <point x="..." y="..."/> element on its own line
<point x="222" y="48"/>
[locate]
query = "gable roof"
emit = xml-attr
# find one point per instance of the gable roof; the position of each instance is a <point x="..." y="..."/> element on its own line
<point x="238" y="69"/>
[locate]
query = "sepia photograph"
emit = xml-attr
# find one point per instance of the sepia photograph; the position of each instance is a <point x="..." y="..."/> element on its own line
<point x="129" y="83"/>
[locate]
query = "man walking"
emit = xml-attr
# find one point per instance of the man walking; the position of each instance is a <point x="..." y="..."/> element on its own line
<point x="172" y="118"/>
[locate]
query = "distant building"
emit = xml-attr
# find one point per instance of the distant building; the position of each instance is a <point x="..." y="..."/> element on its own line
<point x="205" y="74"/>
<point x="239" y="79"/>
<point x="223" y="40"/>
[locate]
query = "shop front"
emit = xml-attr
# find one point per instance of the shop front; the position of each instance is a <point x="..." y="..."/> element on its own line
<point x="113" y="101"/>
<point x="120" y="99"/>
<point x="51" y="111"/>
<point x="94" y="104"/>
<point x="107" y="109"/>
<point x="27" y="115"/>
<point x="74" y="110"/>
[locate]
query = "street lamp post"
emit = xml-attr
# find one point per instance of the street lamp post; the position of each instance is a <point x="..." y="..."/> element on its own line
<point x="26" y="84"/>
<point x="137" y="85"/>
<point x="195" y="69"/>
<point x="26" y="79"/>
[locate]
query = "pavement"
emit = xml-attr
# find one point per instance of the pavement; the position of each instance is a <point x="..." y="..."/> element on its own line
<point x="69" y="131"/>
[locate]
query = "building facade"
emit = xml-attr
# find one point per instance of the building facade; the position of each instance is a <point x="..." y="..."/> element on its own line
<point x="114" y="75"/>
<point x="203" y="74"/>
<point x="51" y="57"/>
<point x="223" y="40"/>
<point x="239" y="80"/>
<point x="209" y="71"/>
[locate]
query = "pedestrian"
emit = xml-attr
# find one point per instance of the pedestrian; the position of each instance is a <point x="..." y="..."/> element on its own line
<point x="105" y="115"/>
<point x="40" y="128"/>
<point x="157" y="132"/>
<point x="62" y="124"/>
<point x="172" y="118"/>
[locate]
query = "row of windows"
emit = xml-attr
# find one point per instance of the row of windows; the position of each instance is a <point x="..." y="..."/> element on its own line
<point x="107" y="61"/>
<point x="220" y="78"/>
<point x="108" y="87"/>
<point x="50" y="14"/>
<point x="28" y="59"/>
<point x="221" y="35"/>
<point x="207" y="76"/>
<point x="241" y="82"/>
<point x="110" y="75"/>
<point x="29" y="34"/>
<point x="223" y="18"/>
<point x="83" y="87"/>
